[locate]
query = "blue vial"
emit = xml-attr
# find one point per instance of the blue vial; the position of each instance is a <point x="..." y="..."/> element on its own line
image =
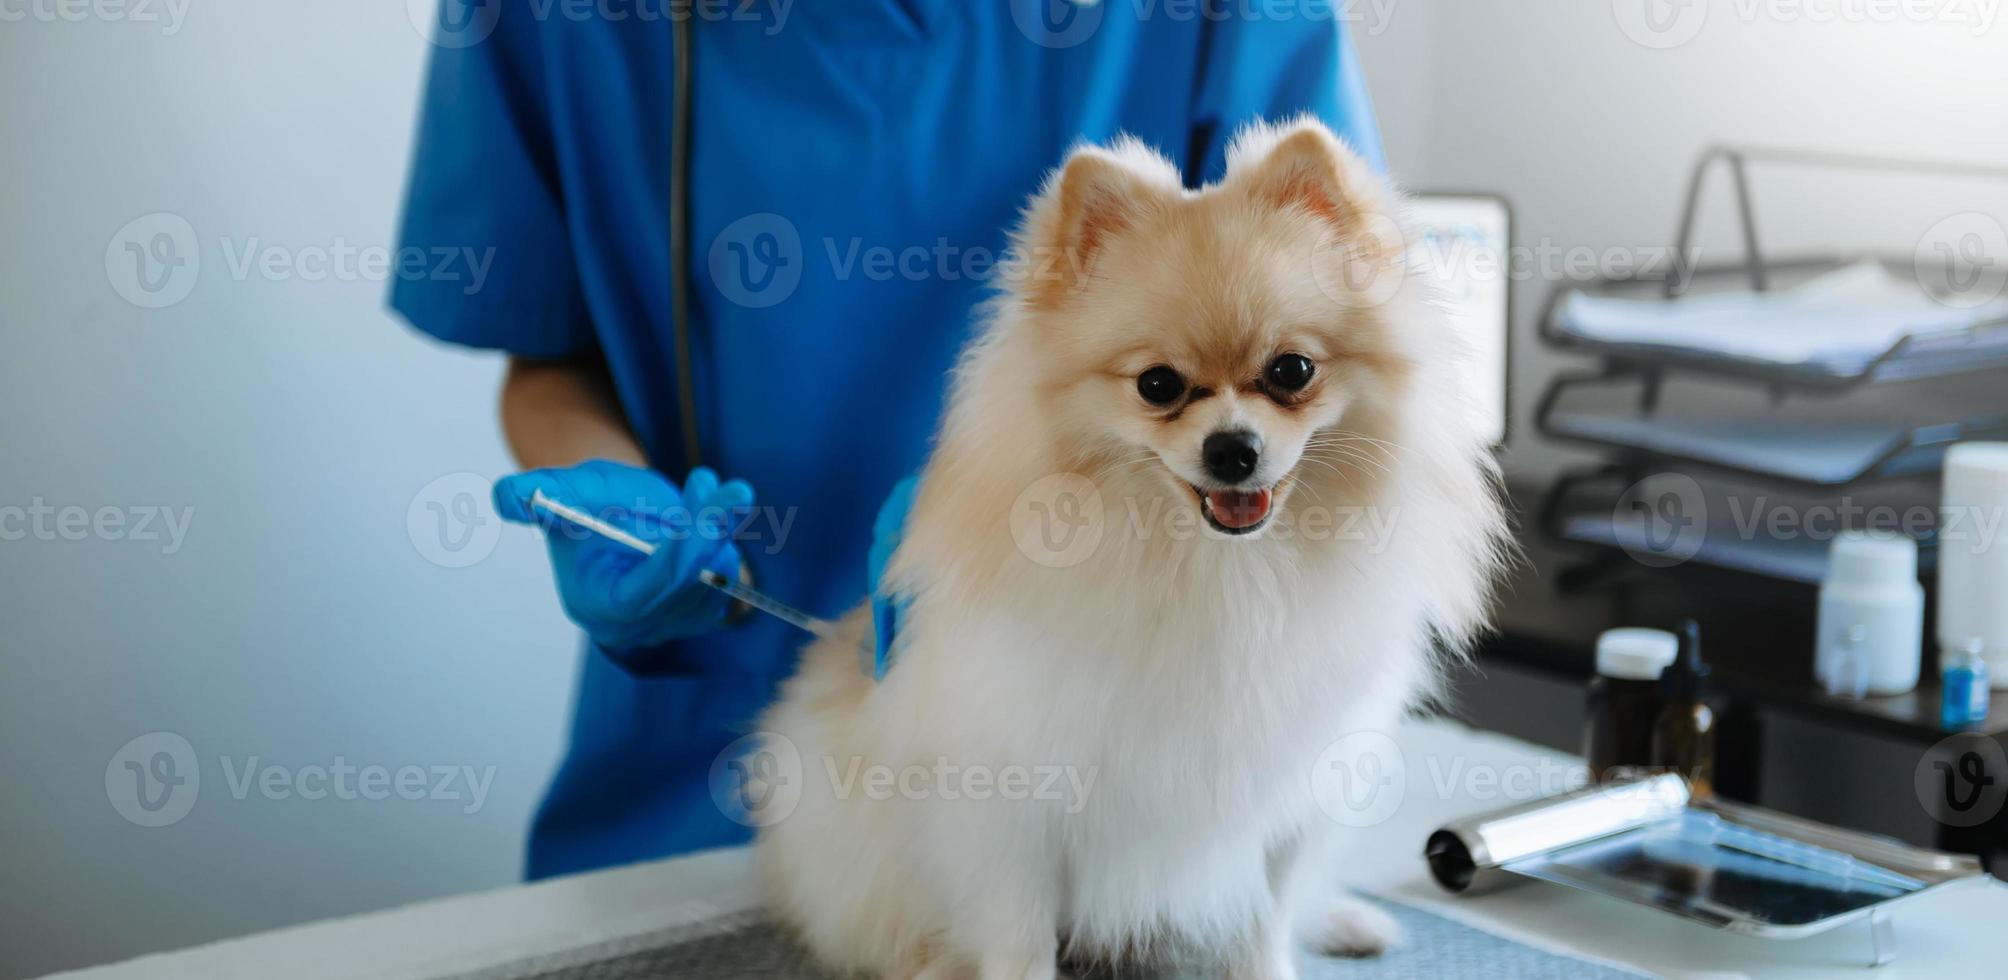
<point x="1966" y="687"/>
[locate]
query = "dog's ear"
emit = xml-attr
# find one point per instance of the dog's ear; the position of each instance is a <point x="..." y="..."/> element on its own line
<point x="1098" y="194"/>
<point x="1302" y="165"/>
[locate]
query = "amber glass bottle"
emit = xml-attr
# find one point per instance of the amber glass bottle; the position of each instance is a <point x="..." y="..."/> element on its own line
<point x="1625" y="700"/>
<point x="1683" y="739"/>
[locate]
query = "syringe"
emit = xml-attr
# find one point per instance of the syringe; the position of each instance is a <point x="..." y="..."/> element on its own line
<point x="746" y="594"/>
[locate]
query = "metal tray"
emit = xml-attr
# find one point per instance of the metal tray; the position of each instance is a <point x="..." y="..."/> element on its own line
<point x="1651" y="842"/>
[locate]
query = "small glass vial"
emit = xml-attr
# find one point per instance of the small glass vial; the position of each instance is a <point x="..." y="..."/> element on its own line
<point x="1624" y="699"/>
<point x="1965" y="684"/>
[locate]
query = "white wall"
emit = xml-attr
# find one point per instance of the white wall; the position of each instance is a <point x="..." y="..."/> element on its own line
<point x="296" y="422"/>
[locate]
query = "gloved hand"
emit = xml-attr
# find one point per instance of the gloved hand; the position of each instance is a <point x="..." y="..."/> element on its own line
<point x="623" y="599"/>
<point x="887" y="530"/>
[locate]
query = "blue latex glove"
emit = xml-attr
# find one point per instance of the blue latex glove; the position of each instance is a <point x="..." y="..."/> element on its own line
<point x="887" y="530"/>
<point x="623" y="599"/>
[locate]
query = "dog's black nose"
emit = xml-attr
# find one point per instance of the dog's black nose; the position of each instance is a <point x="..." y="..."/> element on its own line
<point x="1231" y="456"/>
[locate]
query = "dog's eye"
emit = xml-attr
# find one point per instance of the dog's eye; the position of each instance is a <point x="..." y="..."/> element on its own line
<point x="1160" y="385"/>
<point x="1290" y="372"/>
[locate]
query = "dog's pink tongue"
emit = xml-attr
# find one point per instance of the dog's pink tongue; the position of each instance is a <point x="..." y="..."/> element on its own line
<point x="1239" y="508"/>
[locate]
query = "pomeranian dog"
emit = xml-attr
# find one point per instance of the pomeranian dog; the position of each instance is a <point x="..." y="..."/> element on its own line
<point x="1210" y="494"/>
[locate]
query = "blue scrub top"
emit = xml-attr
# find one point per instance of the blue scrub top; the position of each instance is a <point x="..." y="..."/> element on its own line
<point x="855" y="169"/>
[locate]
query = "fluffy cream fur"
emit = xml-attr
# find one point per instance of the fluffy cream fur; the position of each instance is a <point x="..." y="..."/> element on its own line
<point x="1189" y="678"/>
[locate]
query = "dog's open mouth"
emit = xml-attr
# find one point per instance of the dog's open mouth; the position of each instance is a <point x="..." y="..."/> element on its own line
<point x="1236" y="511"/>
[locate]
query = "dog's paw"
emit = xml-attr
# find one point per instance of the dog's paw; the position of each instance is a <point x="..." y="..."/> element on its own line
<point x="1350" y="927"/>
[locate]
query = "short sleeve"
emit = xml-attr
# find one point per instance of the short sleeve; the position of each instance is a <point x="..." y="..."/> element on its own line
<point x="1275" y="68"/>
<point x="483" y="256"/>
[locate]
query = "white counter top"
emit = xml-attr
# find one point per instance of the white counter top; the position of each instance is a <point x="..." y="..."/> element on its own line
<point x="1451" y="771"/>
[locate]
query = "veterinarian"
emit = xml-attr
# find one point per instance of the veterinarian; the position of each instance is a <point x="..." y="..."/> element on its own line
<point x="847" y="178"/>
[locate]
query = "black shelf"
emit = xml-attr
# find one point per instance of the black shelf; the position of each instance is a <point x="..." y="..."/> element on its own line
<point x="1832" y="450"/>
<point x="1980" y="346"/>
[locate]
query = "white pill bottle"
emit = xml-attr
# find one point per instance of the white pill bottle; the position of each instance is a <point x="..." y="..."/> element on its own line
<point x="1973" y="554"/>
<point x="1871" y="621"/>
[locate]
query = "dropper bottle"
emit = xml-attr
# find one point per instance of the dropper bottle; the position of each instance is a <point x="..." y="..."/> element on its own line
<point x="1683" y="739"/>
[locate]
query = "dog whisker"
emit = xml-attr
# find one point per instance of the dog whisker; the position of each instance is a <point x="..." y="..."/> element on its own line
<point x="1348" y="455"/>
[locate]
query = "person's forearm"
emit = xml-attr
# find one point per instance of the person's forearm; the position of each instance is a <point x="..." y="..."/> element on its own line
<point x="560" y="413"/>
